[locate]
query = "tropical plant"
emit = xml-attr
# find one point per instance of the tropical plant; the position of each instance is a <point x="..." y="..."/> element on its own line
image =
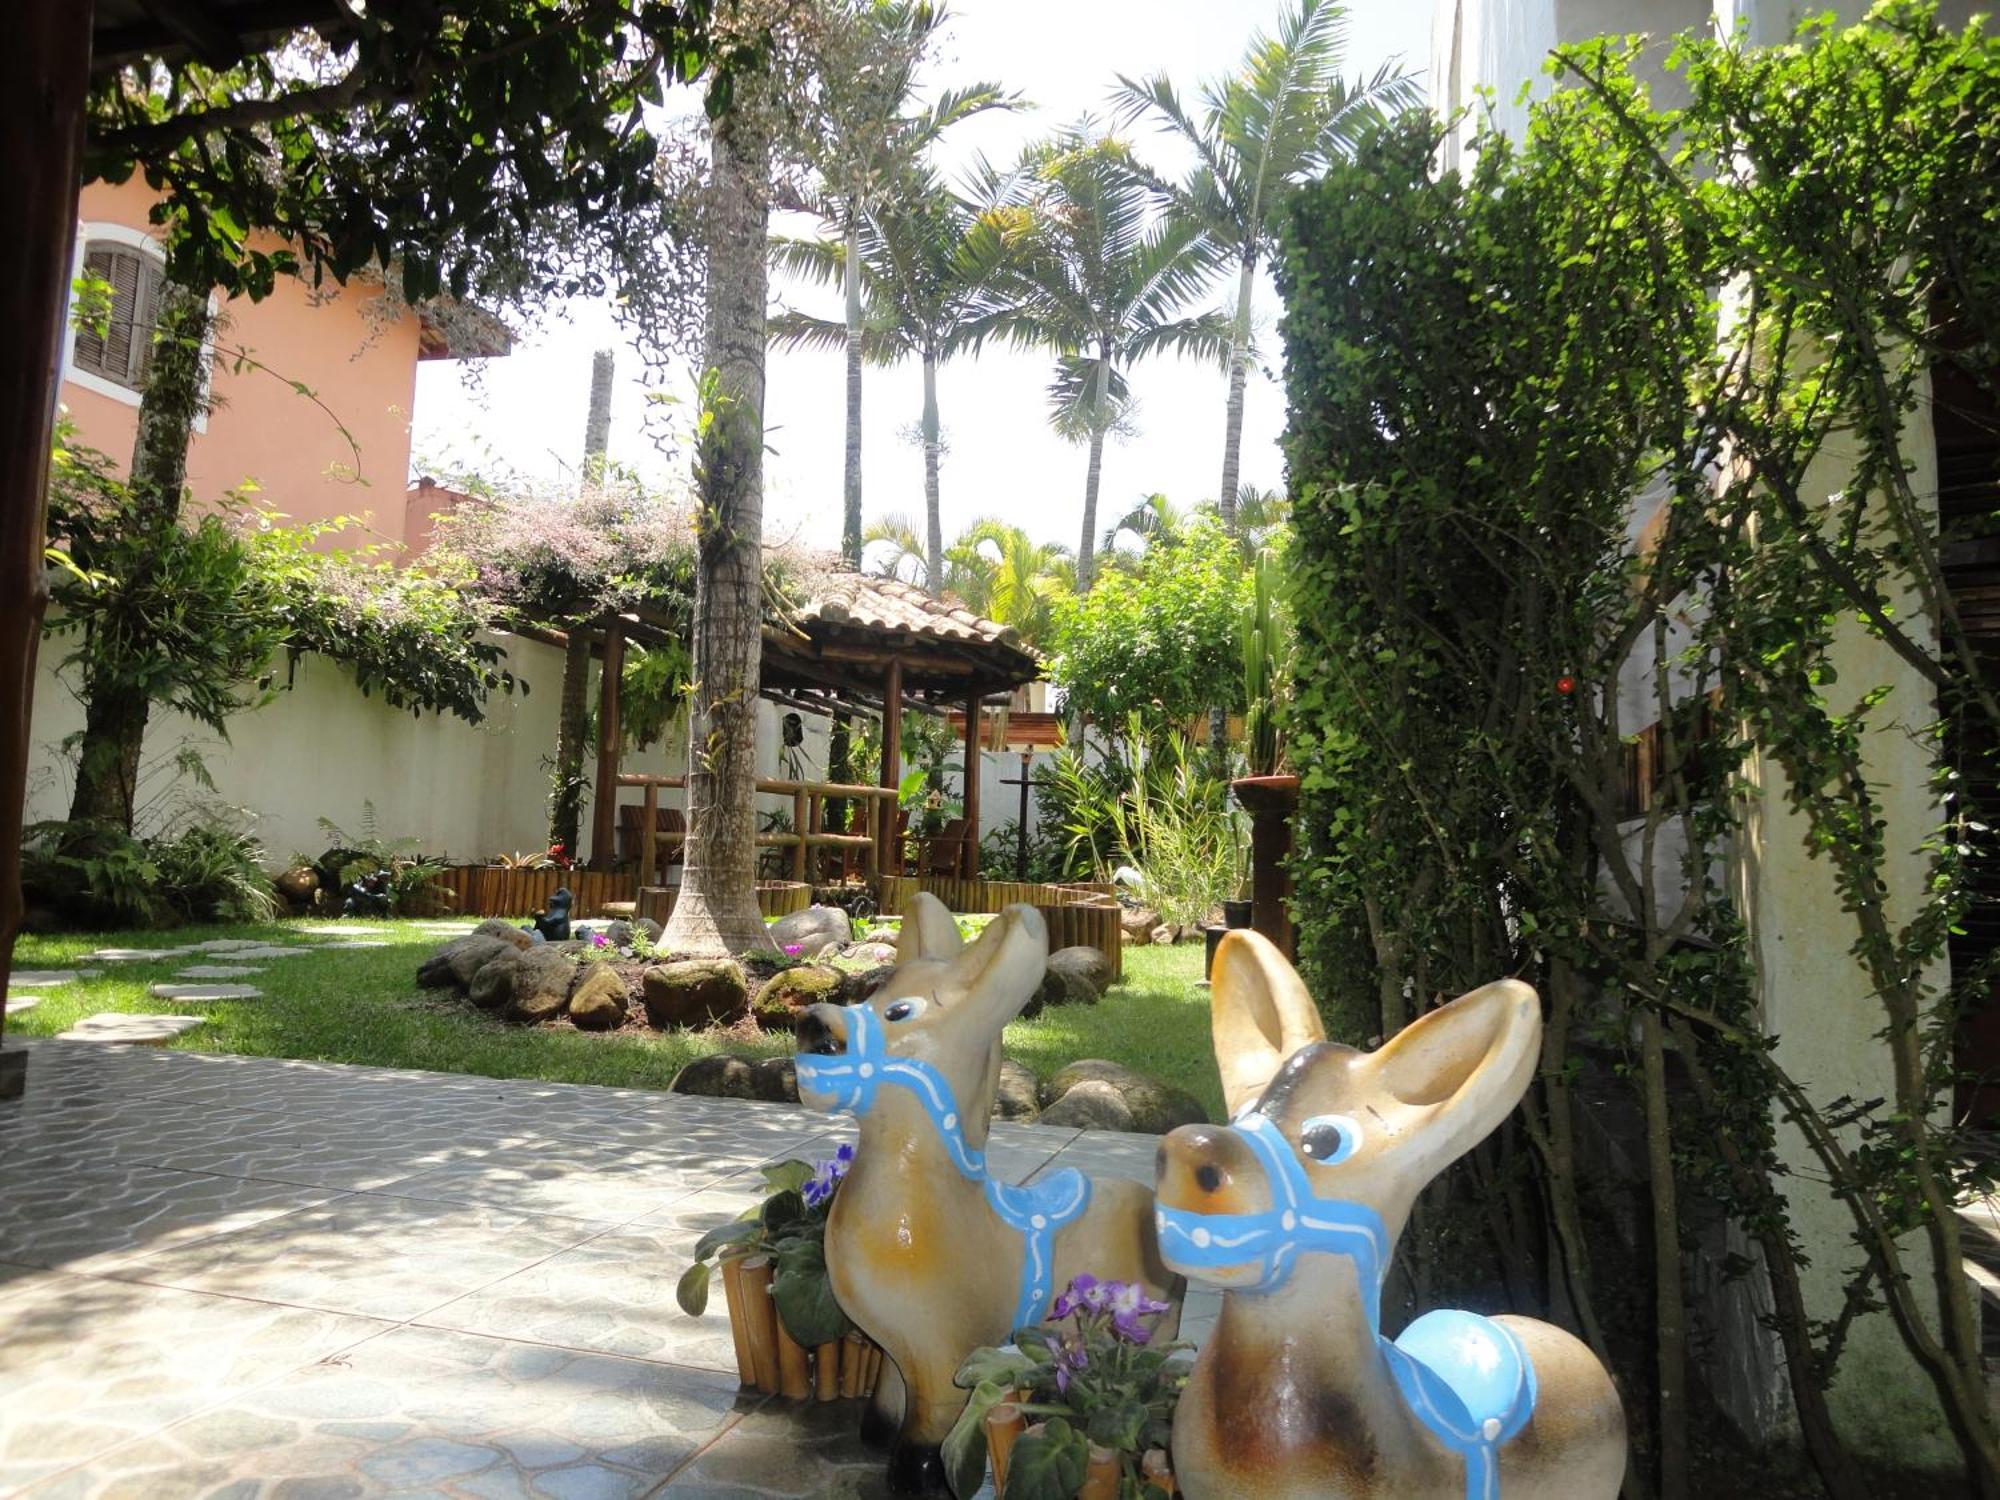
<point x="1267" y="668"/>
<point x="1151" y="519"/>
<point x="1101" y="1380"/>
<point x="789" y="1225"/>
<point x="1104" y="281"/>
<point x="992" y="568"/>
<point x="412" y="876"/>
<point x="1181" y="841"/>
<point x="864" y="139"/>
<point x="1277" y="121"/>
<point x="206" y="868"/>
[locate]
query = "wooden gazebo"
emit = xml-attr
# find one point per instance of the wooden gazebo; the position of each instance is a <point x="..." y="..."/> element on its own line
<point x="853" y="644"/>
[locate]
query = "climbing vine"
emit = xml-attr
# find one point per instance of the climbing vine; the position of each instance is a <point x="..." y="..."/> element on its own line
<point x="1614" y="558"/>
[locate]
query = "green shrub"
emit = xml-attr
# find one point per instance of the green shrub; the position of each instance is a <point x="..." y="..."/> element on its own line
<point x="94" y="874"/>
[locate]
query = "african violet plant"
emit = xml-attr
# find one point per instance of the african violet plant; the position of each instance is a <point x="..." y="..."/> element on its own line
<point x="1098" y="1380"/>
<point x="790" y="1227"/>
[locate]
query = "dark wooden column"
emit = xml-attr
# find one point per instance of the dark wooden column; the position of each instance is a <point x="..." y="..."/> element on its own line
<point x="888" y="858"/>
<point x="968" y="865"/>
<point x="610" y="736"/>
<point x="43" y="71"/>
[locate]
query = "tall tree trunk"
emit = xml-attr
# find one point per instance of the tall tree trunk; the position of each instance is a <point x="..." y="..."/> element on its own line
<point x="850" y="518"/>
<point x="933" y="521"/>
<point x="572" y="727"/>
<point x="42" y="82"/>
<point x="717" y="910"/>
<point x="115" y="704"/>
<point x="1232" y="427"/>
<point x="1669" y="1307"/>
<point x="573" y="717"/>
<point x="1086" y="555"/>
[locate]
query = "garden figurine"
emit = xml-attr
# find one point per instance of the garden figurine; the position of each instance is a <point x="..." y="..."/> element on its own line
<point x="553" y="925"/>
<point x="930" y="1255"/>
<point x="1294" y="1210"/>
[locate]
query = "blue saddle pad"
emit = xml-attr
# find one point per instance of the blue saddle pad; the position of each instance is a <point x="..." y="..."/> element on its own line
<point x="1466" y="1377"/>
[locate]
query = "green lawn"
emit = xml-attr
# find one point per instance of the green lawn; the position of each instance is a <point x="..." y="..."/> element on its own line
<point x="360" y="1005"/>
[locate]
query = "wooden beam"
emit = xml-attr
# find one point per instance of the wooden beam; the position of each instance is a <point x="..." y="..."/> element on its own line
<point x="889" y="858"/>
<point x="195" y="25"/>
<point x="610" y="736"/>
<point x="969" y="861"/>
<point x="44" y="70"/>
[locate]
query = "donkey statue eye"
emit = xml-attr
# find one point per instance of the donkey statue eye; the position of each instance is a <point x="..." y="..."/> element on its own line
<point x="1329" y="1139"/>
<point x="903" y="1010"/>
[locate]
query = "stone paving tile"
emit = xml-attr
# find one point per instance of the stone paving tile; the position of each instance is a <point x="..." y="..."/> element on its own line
<point x="203" y="994"/>
<point x="372" y="1256"/>
<point x="95" y="1218"/>
<point x="87" y="1364"/>
<point x="217" y="971"/>
<point x="419" y="1411"/>
<point x="615" y="1294"/>
<point x="18" y="1005"/>
<point x="786" y="1450"/>
<point x="41" y="978"/>
<point x="136" y="955"/>
<point x="129" y="1028"/>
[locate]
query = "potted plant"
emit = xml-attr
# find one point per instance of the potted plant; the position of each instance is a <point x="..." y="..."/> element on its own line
<point x="1081" y="1406"/>
<point x="791" y="1336"/>
<point x="1269" y="794"/>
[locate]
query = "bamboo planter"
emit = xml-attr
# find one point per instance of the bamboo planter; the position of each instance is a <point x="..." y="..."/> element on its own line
<point x="770" y="1360"/>
<point x="1006" y="1423"/>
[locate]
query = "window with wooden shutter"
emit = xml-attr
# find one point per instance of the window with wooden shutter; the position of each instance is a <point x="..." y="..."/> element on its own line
<point x="124" y="350"/>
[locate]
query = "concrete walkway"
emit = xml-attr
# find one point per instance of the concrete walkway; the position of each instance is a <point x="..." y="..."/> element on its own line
<point x="245" y="1277"/>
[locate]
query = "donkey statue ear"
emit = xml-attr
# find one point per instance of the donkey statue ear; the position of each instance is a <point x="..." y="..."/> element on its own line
<point x="1261" y="1015"/>
<point x="928" y="930"/>
<point x="1460" y="1069"/>
<point x="1000" y="972"/>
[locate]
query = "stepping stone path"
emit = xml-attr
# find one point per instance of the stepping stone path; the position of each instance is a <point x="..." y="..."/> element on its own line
<point x="217" y="971"/>
<point x="267" y="951"/>
<point x="19" y="1004"/>
<point x="135" y="955"/>
<point x="133" y="1030"/>
<point x="201" y="994"/>
<point x="329" y="929"/>
<point x="32" y="979"/>
<point x="348" y="943"/>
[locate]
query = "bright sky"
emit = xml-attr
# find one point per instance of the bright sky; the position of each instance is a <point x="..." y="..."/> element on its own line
<point x="526" y="413"/>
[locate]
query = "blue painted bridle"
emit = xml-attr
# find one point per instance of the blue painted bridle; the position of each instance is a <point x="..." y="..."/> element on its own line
<point x="1465" y="1377"/>
<point x="852" y="1080"/>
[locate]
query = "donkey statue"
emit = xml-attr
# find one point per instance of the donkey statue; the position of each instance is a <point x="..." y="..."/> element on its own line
<point x="1295" y="1208"/>
<point x="928" y="1253"/>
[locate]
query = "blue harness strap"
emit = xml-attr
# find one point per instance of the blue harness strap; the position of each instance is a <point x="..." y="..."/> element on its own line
<point x="1034" y="1211"/>
<point x="1466" y="1378"/>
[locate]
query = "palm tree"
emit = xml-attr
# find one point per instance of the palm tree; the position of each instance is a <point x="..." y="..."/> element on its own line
<point x="1279" y="120"/>
<point x="928" y="263"/>
<point x="992" y="568"/>
<point x="1153" y="517"/>
<point x="1104" y="282"/>
<point x="865" y="145"/>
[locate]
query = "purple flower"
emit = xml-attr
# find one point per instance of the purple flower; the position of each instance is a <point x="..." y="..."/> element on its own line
<point x="1129" y="1303"/>
<point x="826" y="1177"/>
<point x="599" y="940"/>
<point x="793" y="948"/>
<point x="1085" y="1294"/>
<point x="1071" y="1357"/>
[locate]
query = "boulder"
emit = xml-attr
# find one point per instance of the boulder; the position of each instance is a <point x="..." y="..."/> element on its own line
<point x="618" y="934"/>
<point x="858" y="984"/>
<point x="1153" y="1107"/>
<point x="695" y="992"/>
<point x="871" y="954"/>
<point x="724" y="1075"/>
<point x="812" y="929"/>
<point x="458" y="960"/>
<point x="598" y="1002"/>
<point x="1138" y="923"/>
<point x="1075" y="976"/>
<point x="1091" y="1106"/>
<point x="525" y="984"/>
<point x="649" y="928"/>
<point x="1018" y="1096"/>
<point x="493" y="927"/>
<point x="788" y="992"/>
<point x="298" y="885"/>
<point x="1165" y="936"/>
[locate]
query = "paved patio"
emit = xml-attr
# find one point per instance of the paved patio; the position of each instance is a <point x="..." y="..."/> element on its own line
<point x="241" y="1276"/>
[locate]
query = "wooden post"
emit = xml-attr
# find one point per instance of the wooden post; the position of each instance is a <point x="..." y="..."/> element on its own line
<point x="888" y="858"/>
<point x="649" y="837"/>
<point x="43" y="73"/>
<point x="604" y="813"/>
<point x="968" y="864"/>
<point x="799" y="850"/>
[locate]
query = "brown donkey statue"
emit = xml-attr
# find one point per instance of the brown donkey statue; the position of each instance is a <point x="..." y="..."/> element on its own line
<point x="928" y="1254"/>
<point x="1295" y="1209"/>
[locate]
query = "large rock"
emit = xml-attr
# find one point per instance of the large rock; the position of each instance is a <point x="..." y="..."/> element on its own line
<point x="1091" y="1106"/>
<point x="871" y="954"/>
<point x="458" y="960"/>
<point x="525" y="984"/>
<point x="1018" y="1097"/>
<point x="858" y="984"/>
<point x="786" y="993"/>
<point x="1153" y="1107"/>
<point x="1075" y="976"/>
<point x="598" y="1002"/>
<point x="812" y="929"/>
<point x="1138" y="923"/>
<point x="493" y="927"/>
<point x="727" y="1076"/>
<point x="695" y="992"/>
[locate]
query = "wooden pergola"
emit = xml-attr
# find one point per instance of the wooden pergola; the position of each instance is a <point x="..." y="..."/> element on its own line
<point x="856" y="645"/>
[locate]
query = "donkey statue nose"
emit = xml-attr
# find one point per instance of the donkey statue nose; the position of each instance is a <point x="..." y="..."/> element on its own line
<point x="816" y="1033"/>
